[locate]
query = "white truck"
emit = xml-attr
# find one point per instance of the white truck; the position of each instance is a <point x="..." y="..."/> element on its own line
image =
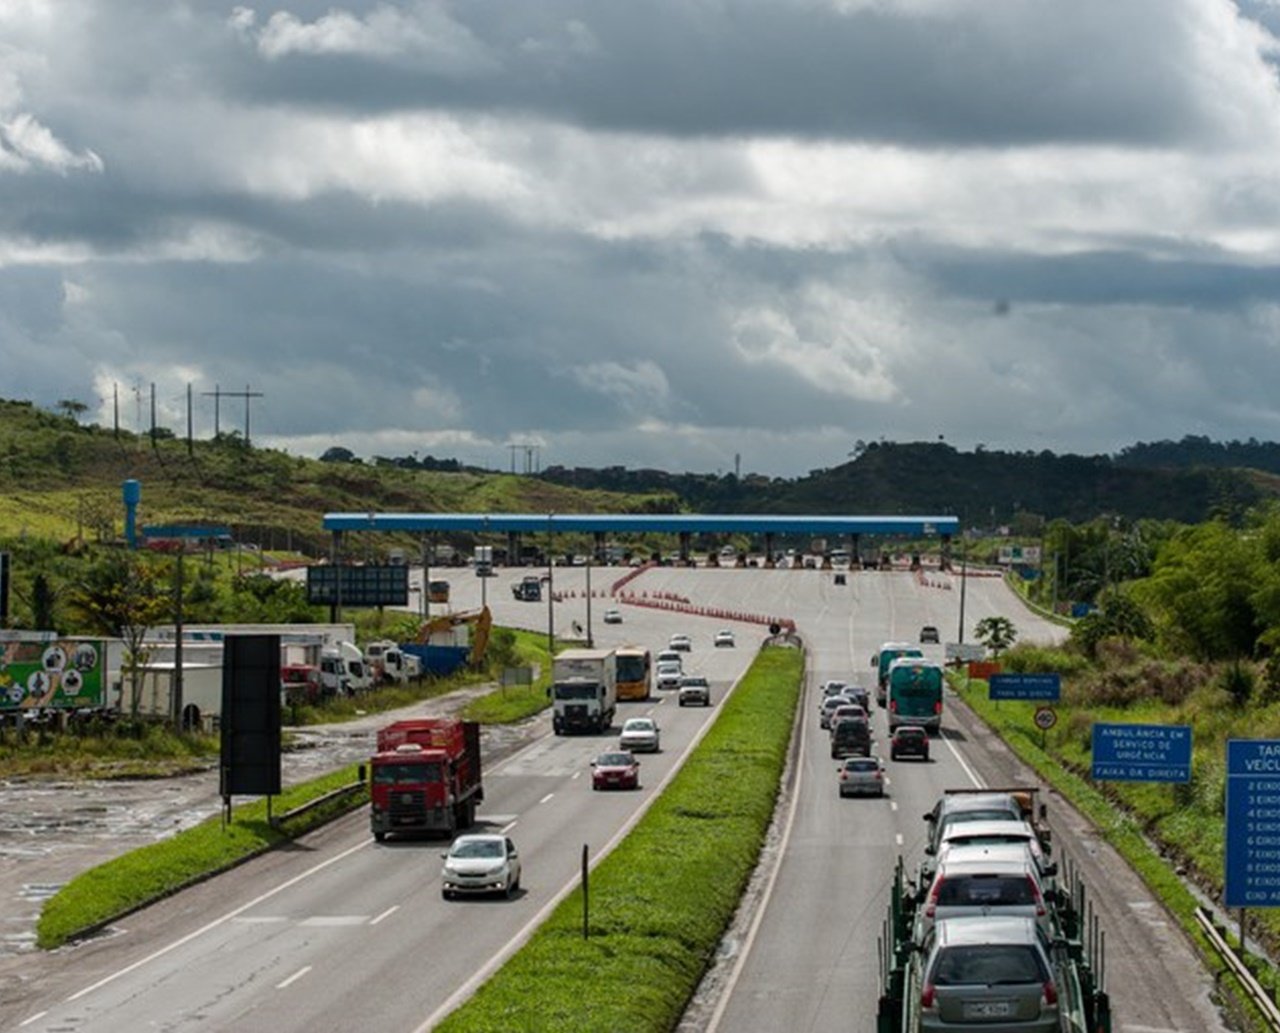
<point x="344" y="670"/>
<point x="391" y="665"/>
<point x="584" y="690"/>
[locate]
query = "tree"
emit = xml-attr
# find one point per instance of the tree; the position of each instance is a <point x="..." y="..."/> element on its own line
<point x="338" y="454"/>
<point x="122" y="596"/>
<point x="72" y="408"/>
<point x="996" y="633"/>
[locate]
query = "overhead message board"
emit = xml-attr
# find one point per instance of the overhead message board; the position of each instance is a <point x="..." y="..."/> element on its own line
<point x="361" y="586"/>
<point x="1040" y="687"/>
<point x="1253" y="823"/>
<point x="1141" y="753"/>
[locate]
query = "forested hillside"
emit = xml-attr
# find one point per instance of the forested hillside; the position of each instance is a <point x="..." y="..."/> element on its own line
<point x="980" y="486"/>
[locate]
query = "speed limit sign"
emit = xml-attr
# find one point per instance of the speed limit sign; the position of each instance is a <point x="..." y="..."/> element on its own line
<point x="1046" y="718"/>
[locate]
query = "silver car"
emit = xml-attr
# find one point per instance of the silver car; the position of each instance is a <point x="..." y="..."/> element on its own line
<point x="861" y="776"/>
<point x="668" y="676"/>
<point x="484" y="863"/>
<point x="694" y="688"/>
<point x="640" y="734"/>
<point x="988" y="974"/>
<point x="988" y="880"/>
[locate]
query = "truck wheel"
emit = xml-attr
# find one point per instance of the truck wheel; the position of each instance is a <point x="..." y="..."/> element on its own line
<point x="446" y="894"/>
<point x="379" y="837"/>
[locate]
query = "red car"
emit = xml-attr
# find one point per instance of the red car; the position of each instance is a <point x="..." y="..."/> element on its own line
<point x="615" y="770"/>
<point x="909" y="741"/>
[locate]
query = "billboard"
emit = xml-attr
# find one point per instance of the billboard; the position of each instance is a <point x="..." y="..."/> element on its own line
<point x="1019" y="554"/>
<point x="59" y="673"/>
<point x="360" y="586"/>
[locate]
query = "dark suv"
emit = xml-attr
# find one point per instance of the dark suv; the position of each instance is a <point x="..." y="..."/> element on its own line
<point x="929" y="634"/>
<point x="851" y="737"/>
<point x="909" y="741"/>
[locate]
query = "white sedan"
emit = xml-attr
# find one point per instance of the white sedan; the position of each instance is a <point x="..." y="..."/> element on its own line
<point x="613" y="616"/>
<point x="484" y="863"/>
<point x="640" y="734"/>
<point x="725" y="638"/>
<point x="681" y="643"/>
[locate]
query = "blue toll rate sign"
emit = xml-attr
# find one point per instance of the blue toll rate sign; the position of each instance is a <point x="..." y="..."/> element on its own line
<point x="1141" y="753"/>
<point x="1040" y="687"/>
<point x="1253" y="823"/>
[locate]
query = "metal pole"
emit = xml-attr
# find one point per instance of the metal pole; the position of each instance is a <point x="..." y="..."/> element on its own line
<point x="177" y="641"/>
<point x="551" y="593"/>
<point x="425" y="602"/>
<point x="590" y="640"/>
<point x="586" y="895"/>
<point x="964" y="572"/>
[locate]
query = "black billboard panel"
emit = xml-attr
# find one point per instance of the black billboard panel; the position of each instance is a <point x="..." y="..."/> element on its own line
<point x="250" y="715"/>
<point x="361" y="586"/>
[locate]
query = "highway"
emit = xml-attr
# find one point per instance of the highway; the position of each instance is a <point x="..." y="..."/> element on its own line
<point x="342" y="933"/>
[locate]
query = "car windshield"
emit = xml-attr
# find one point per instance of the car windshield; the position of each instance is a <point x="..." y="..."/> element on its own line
<point x="477" y="848"/>
<point x="613" y="760"/>
<point x="695" y="681"/>
<point x="570" y="690"/>
<point x="631" y="668"/>
<point x="988" y="964"/>
<point x="986" y="890"/>
<point x="638" y="724"/>
<point x="405" y="774"/>
<point x="861" y="765"/>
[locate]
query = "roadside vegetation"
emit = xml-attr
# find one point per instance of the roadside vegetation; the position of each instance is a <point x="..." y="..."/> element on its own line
<point x="107" y="892"/>
<point x="660" y="902"/>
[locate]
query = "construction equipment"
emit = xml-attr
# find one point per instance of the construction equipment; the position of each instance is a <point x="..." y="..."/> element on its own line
<point x="447" y="642"/>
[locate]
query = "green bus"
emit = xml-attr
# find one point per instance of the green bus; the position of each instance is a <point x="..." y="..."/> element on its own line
<point x="889" y="652"/>
<point x="915" y="693"/>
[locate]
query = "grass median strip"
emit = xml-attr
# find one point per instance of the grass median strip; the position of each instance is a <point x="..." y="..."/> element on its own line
<point x="123" y="884"/>
<point x="662" y="899"/>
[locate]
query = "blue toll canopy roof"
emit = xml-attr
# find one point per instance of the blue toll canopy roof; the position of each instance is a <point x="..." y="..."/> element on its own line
<point x="628" y="523"/>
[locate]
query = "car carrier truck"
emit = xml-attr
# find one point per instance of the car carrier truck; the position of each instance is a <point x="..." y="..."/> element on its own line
<point x="425" y="776"/>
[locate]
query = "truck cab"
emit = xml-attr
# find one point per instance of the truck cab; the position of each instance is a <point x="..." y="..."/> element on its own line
<point x="425" y="777"/>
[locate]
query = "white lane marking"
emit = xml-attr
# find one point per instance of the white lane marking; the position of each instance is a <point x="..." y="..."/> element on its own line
<point x="294" y="978"/>
<point x="973" y="775"/>
<point x="898" y="838"/>
<point x="386" y="914"/>
<point x="893" y="805"/>
<point x="509" y="826"/>
<point x="546" y="798"/>
<point x="36" y="1016"/>
<point x="182" y="940"/>
<point x="332" y="921"/>
<point x="757" y="919"/>
<point x="575" y="775"/>
<point x="259" y="919"/>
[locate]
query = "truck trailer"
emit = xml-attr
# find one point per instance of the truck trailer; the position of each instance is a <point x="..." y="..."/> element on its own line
<point x="584" y="690"/>
<point x="425" y="777"/>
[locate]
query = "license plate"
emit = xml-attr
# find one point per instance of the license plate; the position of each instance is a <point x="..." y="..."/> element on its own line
<point x="988" y="1009"/>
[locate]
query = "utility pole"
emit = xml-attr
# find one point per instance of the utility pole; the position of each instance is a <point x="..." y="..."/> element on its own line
<point x="190" y="447"/>
<point x="153" y="415"/>
<point x="216" y="393"/>
<point x="115" y="409"/>
<point x="246" y="394"/>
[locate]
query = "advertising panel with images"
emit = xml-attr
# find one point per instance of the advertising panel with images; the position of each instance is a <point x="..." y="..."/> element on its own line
<point x="63" y="674"/>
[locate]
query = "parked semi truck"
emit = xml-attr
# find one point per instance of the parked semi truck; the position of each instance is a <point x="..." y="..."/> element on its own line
<point x="584" y="690"/>
<point x="425" y="777"/>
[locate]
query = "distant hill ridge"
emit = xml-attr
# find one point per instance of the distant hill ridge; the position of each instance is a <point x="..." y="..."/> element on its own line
<point x="59" y="475"/>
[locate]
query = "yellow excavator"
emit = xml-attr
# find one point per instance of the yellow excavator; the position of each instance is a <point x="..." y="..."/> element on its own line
<point x="442" y="634"/>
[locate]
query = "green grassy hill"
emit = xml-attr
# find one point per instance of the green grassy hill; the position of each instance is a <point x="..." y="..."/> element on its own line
<point x="61" y="480"/>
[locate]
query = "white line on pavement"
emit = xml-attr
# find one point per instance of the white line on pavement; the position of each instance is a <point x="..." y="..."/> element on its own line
<point x="294" y="978"/>
<point x="386" y="914"/>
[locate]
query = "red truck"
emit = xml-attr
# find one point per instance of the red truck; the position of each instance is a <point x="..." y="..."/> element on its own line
<point x="425" y="776"/>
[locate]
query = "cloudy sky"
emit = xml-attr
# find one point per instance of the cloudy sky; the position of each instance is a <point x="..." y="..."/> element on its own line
<point x="659" y="233"/>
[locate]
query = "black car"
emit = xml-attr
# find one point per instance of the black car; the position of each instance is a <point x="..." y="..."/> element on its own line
<point x="909" y="741"/>
<point x="929" y="634"/>
<point x="851" y="737"/>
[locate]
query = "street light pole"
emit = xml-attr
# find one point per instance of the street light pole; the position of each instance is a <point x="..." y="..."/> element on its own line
<point x="551" y="594"/>
<point x="964" y="570"/>
<point x="590" y="641"/>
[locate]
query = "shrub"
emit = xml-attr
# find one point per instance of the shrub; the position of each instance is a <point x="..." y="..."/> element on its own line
<point x="1237" y="681"/>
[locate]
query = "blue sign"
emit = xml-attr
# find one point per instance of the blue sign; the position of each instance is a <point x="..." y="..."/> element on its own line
<point x="1141" y="753"/>
<point x="1046" y="687"/>
<point x="1253" y="823"/>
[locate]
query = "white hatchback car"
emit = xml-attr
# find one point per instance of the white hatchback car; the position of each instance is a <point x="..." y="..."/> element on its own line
<point x="725" y="638"/>
<point x="640" y="735"/>
<point x="694" y="688"/>
<point x="668" y="675"/>
<point x="482" y="863"/>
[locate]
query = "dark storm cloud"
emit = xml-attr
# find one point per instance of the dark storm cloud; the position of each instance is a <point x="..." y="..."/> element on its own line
<point x="948" y="74"/>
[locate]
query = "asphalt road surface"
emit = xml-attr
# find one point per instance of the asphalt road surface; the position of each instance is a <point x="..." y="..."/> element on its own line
<point x="341" y="933"/>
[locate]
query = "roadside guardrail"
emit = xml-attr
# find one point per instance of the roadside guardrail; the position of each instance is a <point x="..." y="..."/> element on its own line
<point x="1255" y="990"/>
